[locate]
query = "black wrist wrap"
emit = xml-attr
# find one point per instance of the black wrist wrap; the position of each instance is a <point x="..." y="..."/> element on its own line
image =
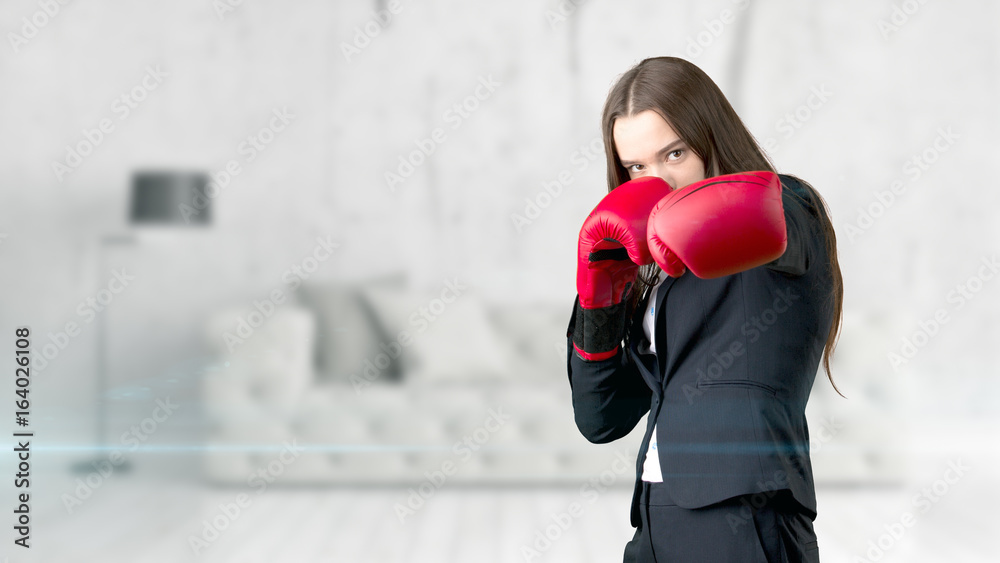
<point x="599" y="330"/>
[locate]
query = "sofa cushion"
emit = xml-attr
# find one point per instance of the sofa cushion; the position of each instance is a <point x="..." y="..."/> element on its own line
<point x="440" y="340"/>
<point x="348" y="332"/>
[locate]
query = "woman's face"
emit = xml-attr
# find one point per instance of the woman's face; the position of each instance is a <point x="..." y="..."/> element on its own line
<point x="648" y="146"/>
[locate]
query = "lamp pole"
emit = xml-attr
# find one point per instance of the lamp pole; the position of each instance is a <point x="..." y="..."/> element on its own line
<point x="100" y="396"/>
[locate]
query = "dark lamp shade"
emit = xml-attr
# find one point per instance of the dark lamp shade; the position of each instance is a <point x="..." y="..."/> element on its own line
<point x="174" y="198"/>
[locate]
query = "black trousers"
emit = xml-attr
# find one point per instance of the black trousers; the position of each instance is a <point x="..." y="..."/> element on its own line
<point x="769" y="527"/>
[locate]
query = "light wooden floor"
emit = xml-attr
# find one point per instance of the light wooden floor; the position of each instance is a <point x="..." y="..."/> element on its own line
<point x="131" y="519"/>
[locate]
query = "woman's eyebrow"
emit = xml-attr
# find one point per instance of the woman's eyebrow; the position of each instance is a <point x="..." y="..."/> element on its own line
<point x="664" y="150"/>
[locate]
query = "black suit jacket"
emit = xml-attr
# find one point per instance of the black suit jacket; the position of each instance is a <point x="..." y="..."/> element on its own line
<point x="735" y="361"/>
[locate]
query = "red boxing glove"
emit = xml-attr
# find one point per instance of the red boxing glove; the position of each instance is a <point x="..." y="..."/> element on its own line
<point x="611" y="248"/>
<point x="719" y="226"/>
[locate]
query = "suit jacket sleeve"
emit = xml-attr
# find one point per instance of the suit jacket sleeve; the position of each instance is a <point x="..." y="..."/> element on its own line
<point x="609" y="396"/>
<point x="799" y="219"/>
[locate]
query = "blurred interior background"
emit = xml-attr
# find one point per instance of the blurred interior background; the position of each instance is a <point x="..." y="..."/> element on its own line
<point x="358" y="319"/>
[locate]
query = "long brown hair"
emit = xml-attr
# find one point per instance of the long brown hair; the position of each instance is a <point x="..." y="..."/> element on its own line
<point x="694" y="106"/>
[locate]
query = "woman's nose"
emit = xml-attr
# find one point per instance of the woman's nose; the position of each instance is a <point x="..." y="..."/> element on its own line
<point x="668" y="178"/>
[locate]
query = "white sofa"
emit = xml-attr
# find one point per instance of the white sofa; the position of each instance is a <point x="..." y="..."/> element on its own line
<point x="478" y="392"/>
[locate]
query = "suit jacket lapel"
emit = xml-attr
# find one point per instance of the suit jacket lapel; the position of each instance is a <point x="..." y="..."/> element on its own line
<point x="660" y="330"/>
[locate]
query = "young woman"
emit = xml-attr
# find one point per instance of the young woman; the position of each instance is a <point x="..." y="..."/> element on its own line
<point x="717" y="333"/>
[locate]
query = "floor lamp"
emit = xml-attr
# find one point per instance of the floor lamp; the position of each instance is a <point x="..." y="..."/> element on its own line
<point x="156" y="198"/>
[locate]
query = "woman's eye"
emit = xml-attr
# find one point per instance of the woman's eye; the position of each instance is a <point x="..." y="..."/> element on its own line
<point x="635" y="168"/>
<point x="674" y="155"/>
